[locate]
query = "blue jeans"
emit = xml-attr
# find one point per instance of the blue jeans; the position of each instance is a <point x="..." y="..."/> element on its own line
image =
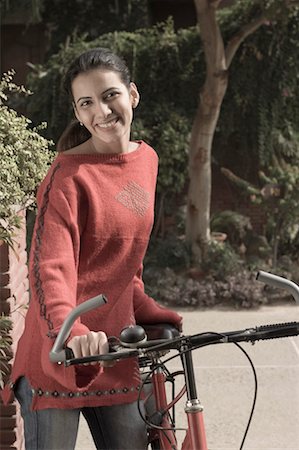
<point x="118" y="427"/>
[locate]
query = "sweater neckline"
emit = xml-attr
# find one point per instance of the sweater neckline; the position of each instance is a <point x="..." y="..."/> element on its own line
<point x="105" y="157"/>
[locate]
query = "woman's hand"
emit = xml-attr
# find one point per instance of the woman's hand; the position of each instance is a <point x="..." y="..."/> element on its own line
<point x="93" y="343"/>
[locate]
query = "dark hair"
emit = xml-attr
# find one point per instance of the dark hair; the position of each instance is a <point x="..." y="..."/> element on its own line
<point x="73" y="135"/>
<point x="95" y="58"/>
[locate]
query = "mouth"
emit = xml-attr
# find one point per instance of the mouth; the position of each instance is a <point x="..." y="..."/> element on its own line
<point x="107" y="124"/>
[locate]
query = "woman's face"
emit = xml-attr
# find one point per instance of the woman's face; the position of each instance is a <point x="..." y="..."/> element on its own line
<point x="104" y="105"/>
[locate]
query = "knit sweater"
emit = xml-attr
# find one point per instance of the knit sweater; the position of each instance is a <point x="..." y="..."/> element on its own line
<point x="95" y="214"/>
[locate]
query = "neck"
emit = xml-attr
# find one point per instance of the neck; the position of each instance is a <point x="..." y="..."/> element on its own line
<point x="126" y="146"/>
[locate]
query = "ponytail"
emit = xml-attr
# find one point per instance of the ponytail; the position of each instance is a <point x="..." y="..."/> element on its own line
<point x="73" y="135"/>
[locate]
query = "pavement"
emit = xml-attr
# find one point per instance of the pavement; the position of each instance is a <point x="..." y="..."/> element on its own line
<point x="226" y="385"/>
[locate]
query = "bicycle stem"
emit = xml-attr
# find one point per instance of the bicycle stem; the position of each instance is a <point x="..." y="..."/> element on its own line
<point x="280" y="282"/>
<point x="187" y="362"/>
<point x="196" y="437"/>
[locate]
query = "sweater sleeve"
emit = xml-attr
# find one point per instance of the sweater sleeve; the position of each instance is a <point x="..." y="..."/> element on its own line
<point x="147" y="310"/>
<point x="53" y="272"/>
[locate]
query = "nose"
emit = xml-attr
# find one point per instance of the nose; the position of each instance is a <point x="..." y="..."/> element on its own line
<point x="102" y="109"/>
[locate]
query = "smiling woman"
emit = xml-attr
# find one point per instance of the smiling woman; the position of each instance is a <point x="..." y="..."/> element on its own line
<point x="103" y="105"/>
<point x="103" y="97"/>
<point x="95" y="215"/>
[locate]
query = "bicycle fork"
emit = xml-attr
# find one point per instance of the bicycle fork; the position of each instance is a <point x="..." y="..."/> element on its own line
<point x="196" y="437"/>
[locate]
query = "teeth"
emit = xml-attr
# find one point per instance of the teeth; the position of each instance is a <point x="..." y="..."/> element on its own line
<point x="108" y="124"/>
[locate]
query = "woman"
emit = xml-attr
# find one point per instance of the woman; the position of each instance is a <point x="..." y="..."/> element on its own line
<point x="95" y="214"/>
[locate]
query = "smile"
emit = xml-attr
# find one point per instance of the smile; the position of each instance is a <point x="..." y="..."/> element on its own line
<point x="107" y="125"/>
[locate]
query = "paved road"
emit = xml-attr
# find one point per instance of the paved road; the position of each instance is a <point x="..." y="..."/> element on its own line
<point x="225" y="383"/>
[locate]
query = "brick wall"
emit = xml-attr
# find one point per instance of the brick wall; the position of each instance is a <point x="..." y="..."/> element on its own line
<point x="14" y="296"/>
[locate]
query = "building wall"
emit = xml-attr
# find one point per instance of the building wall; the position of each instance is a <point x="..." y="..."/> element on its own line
<point x="14" y="297"/>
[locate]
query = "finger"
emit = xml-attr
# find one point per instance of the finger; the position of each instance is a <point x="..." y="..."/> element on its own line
<point x="84" y="347"/>
<point x="104" y="348"/>
<point x="93" y="345"/>
<point x="74" y="344"/>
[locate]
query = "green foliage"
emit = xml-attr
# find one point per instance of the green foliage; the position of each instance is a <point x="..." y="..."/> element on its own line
<point x="24" y="159"/>
<point x="260" y="113"/>
<point x="170" y="252"/>
<point x="171" y="135"/>
<point x="170" y="139"/>
<point x="5" y="343"/>
<point x="278" y="196"/>
<point x="65" y="19"/>
<point x="23" y="6"/>
<point x="238" y="290"/>
<point x="220" y="260"/>
<point x="282" y="207"/>
<point x="244" y="11"/>
<point x="234" y="224"/>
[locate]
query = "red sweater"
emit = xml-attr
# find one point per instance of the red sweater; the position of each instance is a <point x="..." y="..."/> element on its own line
<point x="95" y="214"/>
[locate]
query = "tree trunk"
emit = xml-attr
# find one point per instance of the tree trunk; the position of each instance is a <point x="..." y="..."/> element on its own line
<point x="204" y="125"/>
<point x="198" y="204"/>
<point x="218" y="59"/>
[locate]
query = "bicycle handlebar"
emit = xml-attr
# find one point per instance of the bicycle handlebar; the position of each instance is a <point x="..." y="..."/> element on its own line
<point x="59" y="354"/>
<point x="264" y="332"/>
<point x="280" y="282"/>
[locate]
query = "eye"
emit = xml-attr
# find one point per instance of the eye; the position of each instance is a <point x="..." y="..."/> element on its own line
<point x="111" y="95"/>
<point x="85" y="103"/>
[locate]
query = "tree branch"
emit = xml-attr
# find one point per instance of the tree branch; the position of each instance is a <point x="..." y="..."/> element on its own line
<point x="210" y="34"/>
<point x="214" y="3"/>
<point x="239" y="37"/>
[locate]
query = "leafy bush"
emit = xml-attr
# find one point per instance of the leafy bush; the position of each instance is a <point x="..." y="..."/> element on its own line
<point x="236" y="291"/>
<point x="24" y="158"/>
<point x="260" y="112"/>
<point x="234" y="224"/>
<point x="220" y="260"/>
<point x="278" y="197"/>
<point x="5" y="342"/>
<point x="170" y="252"/>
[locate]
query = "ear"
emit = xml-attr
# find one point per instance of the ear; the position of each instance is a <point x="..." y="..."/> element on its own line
<point x="134" y="94"/>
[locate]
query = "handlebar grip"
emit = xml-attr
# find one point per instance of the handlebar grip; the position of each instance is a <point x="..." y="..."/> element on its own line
<point x="264" y="332"/>
<point x="278" y="330"/>
<point x="57" y="354"/>
<point x="280" y="282"/>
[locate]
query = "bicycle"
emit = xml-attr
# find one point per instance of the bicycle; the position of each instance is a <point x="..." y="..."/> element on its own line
<point x="150" y="343"/>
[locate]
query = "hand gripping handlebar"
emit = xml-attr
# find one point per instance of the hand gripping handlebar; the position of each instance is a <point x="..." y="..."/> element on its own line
<point x="58" y="354"/>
